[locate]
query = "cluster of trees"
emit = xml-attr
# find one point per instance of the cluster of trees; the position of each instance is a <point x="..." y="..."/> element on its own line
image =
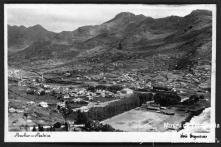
<point x="97" y="126"/>
<point x="113" y="88"/>
<point x="166" y="98"/>
<point x="92" y="125"/>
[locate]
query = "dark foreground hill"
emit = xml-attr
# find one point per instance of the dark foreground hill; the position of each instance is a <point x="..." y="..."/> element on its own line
<point x="127" y="41"/>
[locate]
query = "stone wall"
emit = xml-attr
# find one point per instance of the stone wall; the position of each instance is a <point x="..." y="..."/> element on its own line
<point x="108" y="109"/>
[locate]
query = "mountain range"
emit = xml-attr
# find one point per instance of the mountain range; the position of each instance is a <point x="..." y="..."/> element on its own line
<point x="172" y="41"/>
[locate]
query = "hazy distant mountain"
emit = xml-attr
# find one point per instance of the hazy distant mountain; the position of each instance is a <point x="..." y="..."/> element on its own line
<point x="126" y="34"/>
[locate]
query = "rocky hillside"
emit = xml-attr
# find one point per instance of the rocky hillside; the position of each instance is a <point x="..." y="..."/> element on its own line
<point x="127" y="39"/>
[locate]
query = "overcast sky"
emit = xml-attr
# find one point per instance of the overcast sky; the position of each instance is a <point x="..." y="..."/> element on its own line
<point x="68" y="17"/>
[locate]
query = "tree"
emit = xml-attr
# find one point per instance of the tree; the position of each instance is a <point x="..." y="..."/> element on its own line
<point x="81" y="118"/>
<point x="119" y="46"/>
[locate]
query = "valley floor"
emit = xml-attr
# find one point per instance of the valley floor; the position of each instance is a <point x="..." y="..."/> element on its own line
<point x="73" y="98"/>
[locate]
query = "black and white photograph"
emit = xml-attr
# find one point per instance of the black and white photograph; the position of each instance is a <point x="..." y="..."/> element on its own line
<point x="110" y="72"/>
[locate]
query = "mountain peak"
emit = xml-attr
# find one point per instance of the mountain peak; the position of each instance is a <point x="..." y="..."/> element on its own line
<point x="201" y="12"/>
<point x="15" y="26"/>
<point x="125" y="14"/>
<point x="36" y="27"/>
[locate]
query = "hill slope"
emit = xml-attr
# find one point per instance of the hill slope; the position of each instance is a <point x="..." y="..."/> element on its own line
<point x="172" y="42"/>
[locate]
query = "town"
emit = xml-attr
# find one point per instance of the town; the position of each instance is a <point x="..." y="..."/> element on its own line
<point x="88" y="102"/>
